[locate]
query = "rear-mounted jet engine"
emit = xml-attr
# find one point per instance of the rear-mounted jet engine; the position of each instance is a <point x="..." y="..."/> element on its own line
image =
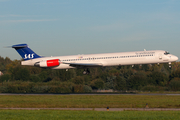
<point x="48" y="63"/>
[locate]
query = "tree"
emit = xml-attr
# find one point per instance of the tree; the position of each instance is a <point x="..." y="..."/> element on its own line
<point x="21" y="73"/>
<point x="97" y="84"/>
<point x="11" y="68"/>
<point x="78" y="80"/>
<point x="3" y="63"/>
<point x="159" y="78"/>
<point x="5" y="77"/>
<point x="137" y="81"/>
<point x="109" y="83"/>
<point x="63" y="74"/>
<point x="175" y="84"/>
<point x="120" y="83"/>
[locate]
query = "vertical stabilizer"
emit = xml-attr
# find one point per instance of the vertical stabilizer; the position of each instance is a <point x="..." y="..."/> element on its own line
<point x="25" y="52"/>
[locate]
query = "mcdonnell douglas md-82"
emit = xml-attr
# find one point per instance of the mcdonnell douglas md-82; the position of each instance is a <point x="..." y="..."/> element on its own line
<point x="93" y="60"/>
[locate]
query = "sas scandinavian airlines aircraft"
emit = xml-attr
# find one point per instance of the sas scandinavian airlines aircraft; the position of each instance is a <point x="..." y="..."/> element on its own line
<point x="93" y="60"/>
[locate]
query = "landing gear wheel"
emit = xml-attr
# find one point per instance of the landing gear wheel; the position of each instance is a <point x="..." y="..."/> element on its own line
<point x="86" y="72"/>
<point x="170" y="65"/>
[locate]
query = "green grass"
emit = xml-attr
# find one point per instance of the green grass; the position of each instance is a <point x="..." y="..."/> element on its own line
<point x="89" y="101"/>
<point x="87" y="115"/>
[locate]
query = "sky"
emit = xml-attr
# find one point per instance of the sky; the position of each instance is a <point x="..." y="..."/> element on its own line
<point x="72" y="27"/>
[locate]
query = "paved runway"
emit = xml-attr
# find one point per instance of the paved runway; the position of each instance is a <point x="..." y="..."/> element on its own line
<point x="99" y="109"/>
<point x="88" y="94"/>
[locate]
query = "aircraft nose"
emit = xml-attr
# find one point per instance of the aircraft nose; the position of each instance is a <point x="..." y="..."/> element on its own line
<point x="175" y="58"/>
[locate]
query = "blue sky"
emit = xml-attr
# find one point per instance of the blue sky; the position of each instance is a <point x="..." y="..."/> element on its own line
<point x="70" y="27"/>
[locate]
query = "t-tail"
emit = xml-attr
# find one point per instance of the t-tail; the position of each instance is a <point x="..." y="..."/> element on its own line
<point x="25" y="52"/>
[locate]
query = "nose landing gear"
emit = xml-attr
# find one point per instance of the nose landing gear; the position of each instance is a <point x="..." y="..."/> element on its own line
<point x="169" y="64"/>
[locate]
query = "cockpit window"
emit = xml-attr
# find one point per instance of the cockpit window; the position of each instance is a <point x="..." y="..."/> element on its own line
<point x="166" y="53"/>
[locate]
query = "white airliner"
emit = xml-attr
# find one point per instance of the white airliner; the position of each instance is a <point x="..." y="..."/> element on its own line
<point x="93" y="60"/>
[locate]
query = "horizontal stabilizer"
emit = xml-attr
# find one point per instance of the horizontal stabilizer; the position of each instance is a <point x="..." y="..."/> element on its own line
<point x="20" y="46"/>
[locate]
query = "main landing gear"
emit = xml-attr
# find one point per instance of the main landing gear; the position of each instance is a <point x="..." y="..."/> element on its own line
<point x="86" y="71"/>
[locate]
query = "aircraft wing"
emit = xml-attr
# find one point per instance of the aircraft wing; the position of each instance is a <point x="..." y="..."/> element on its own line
<point x="84" y="64"/>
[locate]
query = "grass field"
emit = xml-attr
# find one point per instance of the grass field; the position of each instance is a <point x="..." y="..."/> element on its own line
<point x="87" y="115"/>
<point x="89" y="101"/>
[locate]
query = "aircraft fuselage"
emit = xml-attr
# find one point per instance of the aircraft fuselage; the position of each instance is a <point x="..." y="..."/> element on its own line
<point x="106" y="59"/>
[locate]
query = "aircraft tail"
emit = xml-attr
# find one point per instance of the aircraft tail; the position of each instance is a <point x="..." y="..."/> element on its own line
<point x="25" y="52"/>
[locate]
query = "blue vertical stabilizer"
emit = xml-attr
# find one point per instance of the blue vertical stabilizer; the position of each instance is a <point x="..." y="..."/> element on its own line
<point x="25" y="52"/>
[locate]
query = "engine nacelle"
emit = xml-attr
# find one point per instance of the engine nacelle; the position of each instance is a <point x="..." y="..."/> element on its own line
<point x="48" y="63"/>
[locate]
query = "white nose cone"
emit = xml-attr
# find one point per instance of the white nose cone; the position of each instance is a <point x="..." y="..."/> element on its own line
<point x="174" y="58"/>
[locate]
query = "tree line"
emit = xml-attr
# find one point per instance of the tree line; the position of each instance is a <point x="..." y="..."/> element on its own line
<point x="26" y="79"/>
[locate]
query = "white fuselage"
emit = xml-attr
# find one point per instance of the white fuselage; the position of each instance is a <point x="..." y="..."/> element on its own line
<point x="109" y="59"/>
